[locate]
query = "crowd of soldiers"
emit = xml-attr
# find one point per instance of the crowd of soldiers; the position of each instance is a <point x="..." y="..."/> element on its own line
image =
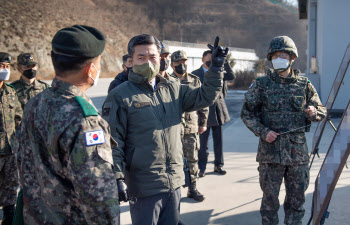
<point x="74" y="165"/>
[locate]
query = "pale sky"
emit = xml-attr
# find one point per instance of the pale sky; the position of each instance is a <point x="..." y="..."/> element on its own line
<point x="294" y="2"/>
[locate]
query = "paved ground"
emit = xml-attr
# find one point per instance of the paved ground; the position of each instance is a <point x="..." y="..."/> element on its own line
<point x="235" y="198"/>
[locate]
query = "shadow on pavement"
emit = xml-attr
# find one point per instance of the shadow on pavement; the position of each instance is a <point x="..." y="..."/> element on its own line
<point x="197" y="217"/>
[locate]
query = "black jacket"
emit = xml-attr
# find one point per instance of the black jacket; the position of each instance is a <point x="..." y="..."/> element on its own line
<point x="218" y="113"/>
<point x="119" y="79"/>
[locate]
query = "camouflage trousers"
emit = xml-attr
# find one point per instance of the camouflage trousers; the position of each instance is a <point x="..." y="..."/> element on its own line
<point x="296" y="180"/>
<point x="8" y="180"/>
<point x="191" y="147"/>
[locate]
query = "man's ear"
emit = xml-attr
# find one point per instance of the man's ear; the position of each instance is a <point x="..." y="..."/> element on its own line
<point x="87" y="69"/>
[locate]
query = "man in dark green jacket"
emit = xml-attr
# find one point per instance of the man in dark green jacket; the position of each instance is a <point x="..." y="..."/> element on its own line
<point x="144" y="114"/>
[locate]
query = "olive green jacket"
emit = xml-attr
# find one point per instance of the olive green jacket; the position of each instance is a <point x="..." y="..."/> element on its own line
<point x="146" y="123"/>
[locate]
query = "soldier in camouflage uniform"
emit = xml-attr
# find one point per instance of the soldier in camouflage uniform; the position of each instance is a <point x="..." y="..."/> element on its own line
<point x="27" y="86"/>
<point x="194" y="123"/>
<point x="11" y="115"/>
<point x="279" y="108"/>
<point x="67" y="177"/>
<point x="164" y="62"/>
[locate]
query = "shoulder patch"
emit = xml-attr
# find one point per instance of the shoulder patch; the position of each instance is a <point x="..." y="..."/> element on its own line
<point x="193" y="75"/>
<point x="87" y="108"/>
<point x="43" y="82"/>
<point x="15" y="82"/>
<point x="10" y="85"/>
<point x="95" y="137"/>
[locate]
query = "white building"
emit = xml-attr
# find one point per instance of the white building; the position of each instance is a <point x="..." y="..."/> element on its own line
<point x="244" y="58"/>
<point x="328" y="38"/>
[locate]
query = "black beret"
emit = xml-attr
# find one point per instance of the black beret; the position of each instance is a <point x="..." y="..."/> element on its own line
<point x="5" y="57"/>
<point x="79" y="41"/>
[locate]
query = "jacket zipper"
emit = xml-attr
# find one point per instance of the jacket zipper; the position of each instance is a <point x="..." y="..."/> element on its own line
<point x="164" y="140"/>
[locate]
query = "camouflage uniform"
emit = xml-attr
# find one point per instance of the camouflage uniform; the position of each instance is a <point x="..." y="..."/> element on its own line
<point x="191" y="121"/>
<point x="66" y="178"/>
<point x="26" y="91"/>
<point x="274" y="103"/>
<point x="11" y="115"/>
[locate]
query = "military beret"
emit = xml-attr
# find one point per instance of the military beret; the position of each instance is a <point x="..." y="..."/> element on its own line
<point x="79" y="41"/>
<point x="5" y="57"/>
<point x="178" y="55"/>
<point x="26" y="59"/>
<point x="165" y="49"/>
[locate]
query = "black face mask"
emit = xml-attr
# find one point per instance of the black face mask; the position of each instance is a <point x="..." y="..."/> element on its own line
<point x="181" y="69"/>
<point x="30" y="74"/>
<point x="128" y="70"/>
<point x="208" y="63"/>
<point x="164" y="64"/>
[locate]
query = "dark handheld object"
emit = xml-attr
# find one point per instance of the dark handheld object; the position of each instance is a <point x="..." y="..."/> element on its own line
<point x="122" y="191"/>
<point x="218" y="56"/>
<point x="187" y="174"/>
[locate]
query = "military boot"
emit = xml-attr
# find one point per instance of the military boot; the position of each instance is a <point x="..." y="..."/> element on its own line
<point x="194" y="193"/>
<point x="8" y="212"/>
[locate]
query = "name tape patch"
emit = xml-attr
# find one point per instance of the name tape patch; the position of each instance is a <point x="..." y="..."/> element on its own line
<point x="95" y="137"/>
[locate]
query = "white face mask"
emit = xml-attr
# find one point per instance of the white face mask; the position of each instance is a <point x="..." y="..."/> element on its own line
<point x="4" y="74"/>
<point x="280" y="65"/>
<point x="97" y="76"/>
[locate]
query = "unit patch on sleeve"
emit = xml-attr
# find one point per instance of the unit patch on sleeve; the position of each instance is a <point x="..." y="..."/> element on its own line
<point x="95" y="137"/>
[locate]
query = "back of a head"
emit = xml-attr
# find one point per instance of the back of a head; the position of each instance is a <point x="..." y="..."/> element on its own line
<point x="205" y="53"/>
<point x="143" y="39"/>
<point x="73" y="47"/>
<point x="125" y="58"/>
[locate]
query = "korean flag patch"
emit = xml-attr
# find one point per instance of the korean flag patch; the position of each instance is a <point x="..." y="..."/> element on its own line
<point x="95" y="137"/>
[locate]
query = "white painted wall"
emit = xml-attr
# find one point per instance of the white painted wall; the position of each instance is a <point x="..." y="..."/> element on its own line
<point x="245" y="58"/>
<point x="332" y="39"/>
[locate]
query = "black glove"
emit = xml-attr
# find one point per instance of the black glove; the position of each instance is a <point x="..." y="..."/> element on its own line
<point x="122" y="191"/>
<point x="218" y="56"/>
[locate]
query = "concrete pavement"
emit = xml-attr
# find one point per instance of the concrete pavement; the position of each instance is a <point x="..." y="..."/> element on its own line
<point x="235" y="197"/>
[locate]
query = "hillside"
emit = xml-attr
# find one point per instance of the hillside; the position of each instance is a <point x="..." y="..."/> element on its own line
<point x="28" y="26"/>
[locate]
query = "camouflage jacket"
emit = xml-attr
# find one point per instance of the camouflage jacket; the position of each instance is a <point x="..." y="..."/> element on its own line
<point x="26" y="91"/>
<point x="11" y="116"/>
<point x="278" y="104"/>
<point x="67" y="175"/>
<point x="192" y="120"/>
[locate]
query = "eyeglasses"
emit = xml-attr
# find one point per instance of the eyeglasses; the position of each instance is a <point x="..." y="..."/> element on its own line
<point x="281" y="55"/>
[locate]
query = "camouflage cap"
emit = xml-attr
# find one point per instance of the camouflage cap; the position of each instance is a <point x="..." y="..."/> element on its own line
<point x="165" y="49"/>
<point x="282" y="44"/>
<point x="178" y="55"/>
<point x="26" y="59"/>
<point x="5" y="57"/>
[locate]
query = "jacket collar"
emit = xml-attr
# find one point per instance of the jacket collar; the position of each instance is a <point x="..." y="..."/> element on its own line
<point x="186" y="79"/>
<point x="35" y="84"/>
<point x="69" y="89"/>
<point x="292" y="78"/>
<point x="143" y="81"/>
<point x="5" y="89"/>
